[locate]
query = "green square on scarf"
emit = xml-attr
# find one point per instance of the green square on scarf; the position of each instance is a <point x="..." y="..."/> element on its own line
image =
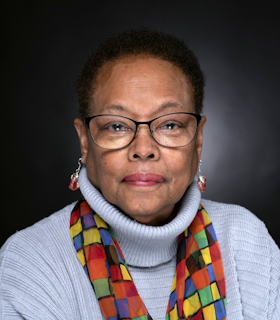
<point x="101" y="288"/>
<point x="205" y="296"/>
<point x="201" y="239"/>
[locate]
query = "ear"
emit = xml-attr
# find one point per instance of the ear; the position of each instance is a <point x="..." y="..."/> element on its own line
<point x="199" y="137"/>
<point x="83" y="137"/>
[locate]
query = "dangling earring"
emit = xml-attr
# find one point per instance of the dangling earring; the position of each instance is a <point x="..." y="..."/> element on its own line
<point x="201" y="180"/>
<point x="74" y="183"/>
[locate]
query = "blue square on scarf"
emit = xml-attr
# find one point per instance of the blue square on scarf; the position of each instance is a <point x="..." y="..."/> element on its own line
<point x="86" y="271"/>
<point x="120" y="258"/>
<point x="173" y="299"/>
<point x="220" y="310"/>
<point x="78" y="242"/>
<point x="211" y="230"/>
<point x="123" y="308"/>
<point x="190" y="288"/>
<point x="106" y="237"/>
<point x="211" y="273"/>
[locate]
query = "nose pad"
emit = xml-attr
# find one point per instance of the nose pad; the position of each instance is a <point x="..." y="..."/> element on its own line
<point x="148" y="129"/>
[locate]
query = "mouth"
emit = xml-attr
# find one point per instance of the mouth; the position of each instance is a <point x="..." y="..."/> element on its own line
<point x="143" y="179"/>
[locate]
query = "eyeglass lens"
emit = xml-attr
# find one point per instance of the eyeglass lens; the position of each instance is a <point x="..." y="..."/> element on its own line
<point x="114" y="132"/>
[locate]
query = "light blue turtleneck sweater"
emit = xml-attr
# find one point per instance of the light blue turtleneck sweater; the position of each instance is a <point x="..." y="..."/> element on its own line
<point x="42" y="278"/>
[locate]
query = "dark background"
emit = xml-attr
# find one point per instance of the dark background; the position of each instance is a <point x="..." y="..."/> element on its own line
<point x="44" y="46"/>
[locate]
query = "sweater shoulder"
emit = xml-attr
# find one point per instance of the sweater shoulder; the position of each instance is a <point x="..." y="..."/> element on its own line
<point x="251" y="260"/>
<point x="239" y="228"/>
<point x="41" y="233"/>
<point x="36" y="237"/>
<point x="233" y="215"/>
<point x="34" y="265"/>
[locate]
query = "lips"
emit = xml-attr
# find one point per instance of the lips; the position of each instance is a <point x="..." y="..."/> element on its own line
<point x="143" y="179"/>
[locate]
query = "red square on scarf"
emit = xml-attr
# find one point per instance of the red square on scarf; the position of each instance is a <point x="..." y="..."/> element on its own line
<point x="94" y="251"/>
<point x="115" y="272"/>
<point x="120" y="290"/>
<point x="97" y="269"/>
<point x="201" y="279"/>
<point x="136" y="307"/>
<point x="215" y="252"/>
<point x="108" y="308"/>
<point x="218" y="269"/>
<point x="222" y="288"/>
<point x="84" y="208"/>
<point x="74" y="217"/>
<point x="180" y="269"/>
<point x="130" y="289"/>
<point x="197" y="225"/>
<point x="192" y="246"/>
<point x="198" y="316"/>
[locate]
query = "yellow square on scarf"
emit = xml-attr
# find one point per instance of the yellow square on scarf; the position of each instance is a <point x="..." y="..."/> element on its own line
<point x="76" y="229"/>
<point x="191" y="305"/>
<point x="174" y="313"/>
<point x="100" y="222"/>
<point x="209" y="312"/>
<point x="81" y="257"/>
<point x="215" y="291"/>
<point x="206" y="255"/>
<point x="91" y="235"/>
<point x="174" y="283"/>
<point x="125" y="274"/>
<point x="206" y="217"/>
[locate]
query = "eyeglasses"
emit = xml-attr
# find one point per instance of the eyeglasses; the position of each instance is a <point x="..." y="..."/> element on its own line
<point x="171" y="130"/>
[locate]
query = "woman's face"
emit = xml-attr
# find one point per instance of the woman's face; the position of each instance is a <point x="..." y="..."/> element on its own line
<point x="142" y="89"/>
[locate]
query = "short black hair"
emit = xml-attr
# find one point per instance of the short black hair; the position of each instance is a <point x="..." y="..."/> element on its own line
<point x="139" y="42"/>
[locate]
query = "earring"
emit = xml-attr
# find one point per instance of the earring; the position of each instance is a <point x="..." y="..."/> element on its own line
<point x="201" y="180"/>
<point x="74" y="183"/>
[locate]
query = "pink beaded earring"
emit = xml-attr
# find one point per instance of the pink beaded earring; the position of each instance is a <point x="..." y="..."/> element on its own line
<point x="74" y="183"/>
<point x="201" y="180"/>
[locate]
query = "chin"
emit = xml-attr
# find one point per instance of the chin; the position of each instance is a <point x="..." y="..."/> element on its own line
<point x="139" y="213"/>
<point x="145" y="211"/>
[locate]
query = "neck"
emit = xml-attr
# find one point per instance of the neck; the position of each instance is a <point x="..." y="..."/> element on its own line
<point x="143" y="245"/>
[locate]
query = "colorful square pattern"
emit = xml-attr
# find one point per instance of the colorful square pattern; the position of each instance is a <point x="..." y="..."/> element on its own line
<point x="105" y="266"/>
<point x="198" y="290"/>
<point x="204" y="295"/>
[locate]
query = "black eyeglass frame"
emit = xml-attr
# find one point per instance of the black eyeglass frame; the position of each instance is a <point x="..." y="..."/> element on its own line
<point x="137" y="123"/>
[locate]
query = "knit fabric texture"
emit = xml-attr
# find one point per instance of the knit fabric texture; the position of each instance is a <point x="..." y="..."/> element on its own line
<point x="41" y="276"/>
<point x="198" y="290"/>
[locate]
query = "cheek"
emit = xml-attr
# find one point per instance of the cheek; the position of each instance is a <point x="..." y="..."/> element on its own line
<point x="109" y="164"/>
<point x="180" y="162"/>
<point x="97" y="165"/>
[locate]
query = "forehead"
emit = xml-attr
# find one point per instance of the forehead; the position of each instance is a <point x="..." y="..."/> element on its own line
<point x="141" y="85"/>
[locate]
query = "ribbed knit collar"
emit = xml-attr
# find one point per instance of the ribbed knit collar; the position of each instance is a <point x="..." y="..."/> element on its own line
<point x="141" y="245"/>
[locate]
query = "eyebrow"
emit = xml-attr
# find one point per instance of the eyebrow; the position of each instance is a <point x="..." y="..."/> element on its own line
<point x="163" y="106"/>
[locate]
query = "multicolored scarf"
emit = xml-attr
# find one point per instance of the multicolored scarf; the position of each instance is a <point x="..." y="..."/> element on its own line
<point x="198" y="290"/>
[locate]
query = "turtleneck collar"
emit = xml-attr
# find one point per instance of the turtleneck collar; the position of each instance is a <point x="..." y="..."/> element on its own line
<point x="141" y="245"/>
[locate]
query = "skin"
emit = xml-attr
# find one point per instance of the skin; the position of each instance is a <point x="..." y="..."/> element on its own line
<point x="141" y="88"/>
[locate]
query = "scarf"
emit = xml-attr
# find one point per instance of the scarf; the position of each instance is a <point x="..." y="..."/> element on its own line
<point x="198" y="290"/>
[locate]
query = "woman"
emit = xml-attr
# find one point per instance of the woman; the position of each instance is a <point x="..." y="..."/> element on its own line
<point x="142" y="243"/>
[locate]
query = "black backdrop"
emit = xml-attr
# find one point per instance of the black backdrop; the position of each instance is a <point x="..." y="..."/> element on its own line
<point x="44" y="46"/>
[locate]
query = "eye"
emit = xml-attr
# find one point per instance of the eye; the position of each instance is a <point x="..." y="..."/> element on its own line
<point x="116" y="127"/>
<point x="169" y="126"/>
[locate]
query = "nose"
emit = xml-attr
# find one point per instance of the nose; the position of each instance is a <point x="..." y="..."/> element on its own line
<point x="143" y="147"/>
